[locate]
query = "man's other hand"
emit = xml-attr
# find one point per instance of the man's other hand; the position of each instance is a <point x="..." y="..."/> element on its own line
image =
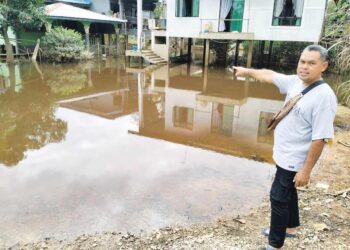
<point x="301" y="179"/>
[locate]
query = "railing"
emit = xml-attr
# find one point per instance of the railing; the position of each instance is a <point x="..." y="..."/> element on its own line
<point x="213" y="24"/>
<point x="132" y="19"/>
<point x="286" y="21"/>
<point x="159" y="24"/>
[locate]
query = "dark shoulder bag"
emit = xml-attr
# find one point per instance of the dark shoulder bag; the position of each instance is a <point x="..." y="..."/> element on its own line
<point x="289" y="105"/>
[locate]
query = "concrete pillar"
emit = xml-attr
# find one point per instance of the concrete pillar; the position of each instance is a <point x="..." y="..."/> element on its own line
<point x="205" y="78"/>
<point x="140" y="81"/>
<point x="48" y="25"/>
<point x="87" y="34"/>
<point x="121" y="9"/>
<point x="250" y="53"/>
<point x="139" y="24"/>
<point x="116" y="32"/>
<point x="181" y="46"/>
<point x="189" y="50"/>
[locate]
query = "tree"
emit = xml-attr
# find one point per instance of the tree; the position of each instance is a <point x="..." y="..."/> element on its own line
<point x="19" y="14"/>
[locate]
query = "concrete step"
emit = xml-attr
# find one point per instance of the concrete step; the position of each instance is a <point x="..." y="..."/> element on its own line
<point x="152" y="57"/>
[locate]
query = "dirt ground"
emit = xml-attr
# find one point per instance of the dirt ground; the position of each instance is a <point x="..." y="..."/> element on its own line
<point x="324" y="211"/>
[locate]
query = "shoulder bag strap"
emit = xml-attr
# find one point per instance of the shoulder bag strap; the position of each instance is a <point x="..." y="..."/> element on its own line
<point x="315" y="84"/>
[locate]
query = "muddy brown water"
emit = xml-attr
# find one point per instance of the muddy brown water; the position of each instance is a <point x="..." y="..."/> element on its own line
<point x="94" y="147"/>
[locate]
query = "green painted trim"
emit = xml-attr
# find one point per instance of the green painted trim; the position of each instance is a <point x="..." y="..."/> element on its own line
<point x="237" y="13"/>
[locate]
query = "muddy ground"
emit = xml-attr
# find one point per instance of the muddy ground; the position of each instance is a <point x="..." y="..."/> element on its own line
<point x="324" y="210"/>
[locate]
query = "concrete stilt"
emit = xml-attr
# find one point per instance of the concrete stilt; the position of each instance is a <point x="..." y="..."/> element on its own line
<point x="189" y="50"/>
<point x="236" y="52"/>
<point x="270" y="53"/>
<point x="250" y="53"/>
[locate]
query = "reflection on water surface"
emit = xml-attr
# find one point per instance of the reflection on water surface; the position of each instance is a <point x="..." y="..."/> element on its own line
<point x="96" y="147"/>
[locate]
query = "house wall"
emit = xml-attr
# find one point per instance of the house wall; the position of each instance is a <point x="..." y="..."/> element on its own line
<point x="28" y="38"/>
<point x="257" y="19"/>
<point x="101" y="6"/>
<point x="260" y="18"/>
<point x="191" y="26"/>
<point x="161" y="50"/>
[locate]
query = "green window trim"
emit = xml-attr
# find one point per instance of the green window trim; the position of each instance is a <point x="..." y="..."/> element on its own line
<point x="195" y="8"/>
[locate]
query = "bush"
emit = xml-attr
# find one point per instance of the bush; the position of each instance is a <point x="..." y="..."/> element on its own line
<point x="62" y="45"/>
<point x="86" y="55"/>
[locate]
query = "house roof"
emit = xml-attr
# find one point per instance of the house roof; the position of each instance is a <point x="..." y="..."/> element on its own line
<point x="68" y="12"/>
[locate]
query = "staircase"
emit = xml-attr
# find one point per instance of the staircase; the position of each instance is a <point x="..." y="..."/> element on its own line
<point x="152" y="57"/>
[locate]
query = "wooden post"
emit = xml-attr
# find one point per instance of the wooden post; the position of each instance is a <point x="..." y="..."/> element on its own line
<point x="270" y="52"/>
<point x="181" y="46"/>
<point x="98" y="48"/>
<point x="140" y="61"/>
<point x="206" y="54"/>
<point x="236" y="52"/>
<point x="261" y="54"/>
<point x="250" y="53"/>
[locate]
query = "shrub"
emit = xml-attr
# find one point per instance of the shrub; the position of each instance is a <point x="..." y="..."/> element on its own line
<point x="86" y="55"/>
<point x="62" y="45"/>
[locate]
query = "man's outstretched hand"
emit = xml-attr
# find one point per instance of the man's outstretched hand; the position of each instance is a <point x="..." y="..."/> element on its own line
<point x="240" y="71"/>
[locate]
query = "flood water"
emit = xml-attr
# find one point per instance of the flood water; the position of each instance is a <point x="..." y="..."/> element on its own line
<point x="94" y="146"/>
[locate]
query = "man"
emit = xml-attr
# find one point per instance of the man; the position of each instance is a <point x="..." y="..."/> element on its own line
<point x="298" y="139"/>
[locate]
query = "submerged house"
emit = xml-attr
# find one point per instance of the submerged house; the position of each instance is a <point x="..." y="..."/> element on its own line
<point x="92" y="18"/>
<point x="239" y="20"/>
<point x="191" y="105"/>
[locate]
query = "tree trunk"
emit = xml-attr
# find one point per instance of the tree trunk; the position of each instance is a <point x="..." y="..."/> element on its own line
<point x="9" y="52"/>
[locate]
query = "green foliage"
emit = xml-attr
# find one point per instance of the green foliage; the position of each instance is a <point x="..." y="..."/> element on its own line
<point x="62" y="45"/>
<point x="336" y="35"/>
<point x="336" y="18"/>
<point x="158" y="10"/>
<point x="19" y="14"/>
<point x="336" y="38"/>
<point x="343" y="93"/>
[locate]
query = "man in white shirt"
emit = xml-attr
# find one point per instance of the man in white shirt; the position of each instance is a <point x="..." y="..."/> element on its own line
<point x="299" y="138"/>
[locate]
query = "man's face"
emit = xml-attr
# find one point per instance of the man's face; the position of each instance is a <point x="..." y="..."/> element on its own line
<point x="310" y="66"/>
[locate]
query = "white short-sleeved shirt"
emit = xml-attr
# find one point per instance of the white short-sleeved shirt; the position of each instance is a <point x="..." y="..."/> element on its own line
<point x="310" y="119"/>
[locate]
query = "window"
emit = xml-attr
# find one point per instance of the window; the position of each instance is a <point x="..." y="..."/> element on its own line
<point x="287" y="12"/>
<point x="183" y="117"/>
<point x="160" y="40"/>
<point x="187" y="8"/>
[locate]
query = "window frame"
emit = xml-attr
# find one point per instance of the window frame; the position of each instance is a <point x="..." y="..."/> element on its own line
<point x="297" y="20"/>
<point x="177" y="12"/>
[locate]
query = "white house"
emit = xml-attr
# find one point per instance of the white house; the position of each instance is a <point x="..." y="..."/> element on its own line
<point x="268" y="20"/>
<point x="272" y="20"/>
